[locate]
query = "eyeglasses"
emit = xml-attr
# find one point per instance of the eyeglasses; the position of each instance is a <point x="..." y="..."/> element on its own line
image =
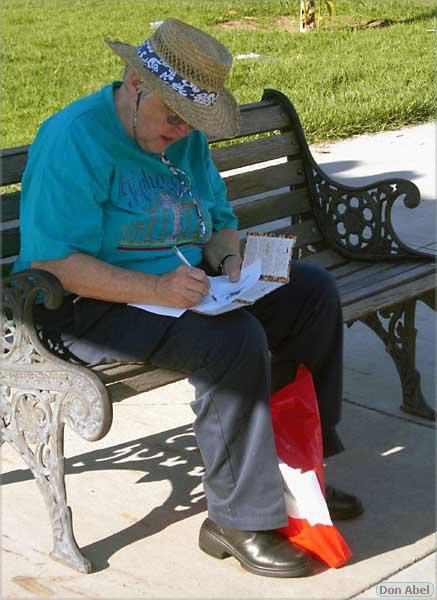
<point x="173" y="118"/>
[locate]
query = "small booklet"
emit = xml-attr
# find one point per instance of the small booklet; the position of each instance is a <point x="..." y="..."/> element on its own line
<point x="266" y="267"/>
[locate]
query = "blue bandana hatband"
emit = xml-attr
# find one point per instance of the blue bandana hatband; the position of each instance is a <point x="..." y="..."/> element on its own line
<point x="182" y="86"/>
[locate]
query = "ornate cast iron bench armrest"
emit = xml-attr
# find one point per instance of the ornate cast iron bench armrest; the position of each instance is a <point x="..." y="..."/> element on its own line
<point x="26" y="363"/>
<point x="39" y="393"/>
<point x="357" y="222"/>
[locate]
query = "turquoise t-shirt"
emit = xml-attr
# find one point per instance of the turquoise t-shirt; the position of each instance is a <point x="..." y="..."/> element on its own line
<point x="88" y="187"/>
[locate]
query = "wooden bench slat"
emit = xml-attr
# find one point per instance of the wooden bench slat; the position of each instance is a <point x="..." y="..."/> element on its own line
<point x="259" y="117"/>
<point x="13" y="161"/>
<point x="10" y="242"/>
<point x="379" y="272"/>
<point x="357" y="271"/>
<point x="143" y="383"/>
<point x="404" y="291"/>
<point x="344" y="270"/>
<point x="327" y="259"/>
<point x="10" y="207"/>
<point x="256" y="118"/>
<point x="306" y="232"/>
<point x="349" y="296"/>
<point x="116" y="372"/>
<point x="249" y="153"/>
<point x="272" y="208"/>
<point x="6" y="269"/>
<point x="265" y="180"/>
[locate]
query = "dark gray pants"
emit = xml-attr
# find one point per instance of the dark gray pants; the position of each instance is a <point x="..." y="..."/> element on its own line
<point x="234" y="362"/>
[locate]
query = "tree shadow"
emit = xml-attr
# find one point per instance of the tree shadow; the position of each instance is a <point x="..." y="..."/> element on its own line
<point x="390" y="465"/>
<point x="171" y="456"/>
<point x="382" y="23"/>
<point x="396" y="486"/>
<point x="336" y="170"/>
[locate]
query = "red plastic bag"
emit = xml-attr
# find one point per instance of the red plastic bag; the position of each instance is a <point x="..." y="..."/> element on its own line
<point x="298" y="438"/>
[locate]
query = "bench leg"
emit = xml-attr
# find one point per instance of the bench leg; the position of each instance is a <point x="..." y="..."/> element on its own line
<point x="399" y="338"/>
<point x="32" y="425"/>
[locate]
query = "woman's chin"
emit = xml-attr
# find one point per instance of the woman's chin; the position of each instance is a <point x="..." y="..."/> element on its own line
<point x="157" y="146"/>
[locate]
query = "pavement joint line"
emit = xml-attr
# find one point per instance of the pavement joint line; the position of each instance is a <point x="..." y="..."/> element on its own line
<point x="154" y="404"/>
<point x="389" y="414"/>
<point x="394" y="572"/>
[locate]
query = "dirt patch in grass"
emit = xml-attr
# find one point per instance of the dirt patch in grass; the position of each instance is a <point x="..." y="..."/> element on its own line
<point x="286" y="24"/>
<point x="291" y="24"/>
<point x="246" y="24"/>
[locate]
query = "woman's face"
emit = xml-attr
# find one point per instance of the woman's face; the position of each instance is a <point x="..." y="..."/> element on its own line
<point x="154" y="127"/>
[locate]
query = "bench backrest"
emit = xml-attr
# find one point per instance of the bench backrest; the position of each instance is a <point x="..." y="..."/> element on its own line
<point x="272" y="196"/>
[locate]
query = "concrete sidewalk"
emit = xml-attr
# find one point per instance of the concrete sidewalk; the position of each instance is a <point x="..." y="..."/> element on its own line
<point x="137" y="496"/>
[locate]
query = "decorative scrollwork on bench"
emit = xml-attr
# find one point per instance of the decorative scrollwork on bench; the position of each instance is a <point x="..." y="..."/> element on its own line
<point x="82" y="406"/>
<point x="17" y="347"/>
<point x="33" y="423"/>
<point x="28" y="417"/>
<point x="27" y="367"/>
<point x="395" y="327"/>
<point x="39" y="393"/>
<point x="357" y="222"/>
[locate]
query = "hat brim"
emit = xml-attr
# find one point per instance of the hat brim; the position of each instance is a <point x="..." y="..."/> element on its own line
<point x="221" y="120"/>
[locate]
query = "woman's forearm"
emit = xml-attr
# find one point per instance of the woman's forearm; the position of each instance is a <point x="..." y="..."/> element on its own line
<point x="90" y="277"/>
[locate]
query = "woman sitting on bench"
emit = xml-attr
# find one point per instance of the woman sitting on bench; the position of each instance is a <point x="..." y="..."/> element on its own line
<point x="113" y="183"/>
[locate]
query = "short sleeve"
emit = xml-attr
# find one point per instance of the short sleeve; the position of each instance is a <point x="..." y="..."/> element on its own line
<point x="61" y="199"/>
<point x="222" y="214"/>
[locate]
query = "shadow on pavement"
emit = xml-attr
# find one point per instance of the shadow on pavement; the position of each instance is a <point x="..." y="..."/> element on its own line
<point x="336" y="170"/>
<point x="389" y="465"/>
<point x="171" y="456"/>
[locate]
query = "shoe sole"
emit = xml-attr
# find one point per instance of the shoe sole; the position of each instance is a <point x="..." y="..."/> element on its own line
<point x="217" y="547"/>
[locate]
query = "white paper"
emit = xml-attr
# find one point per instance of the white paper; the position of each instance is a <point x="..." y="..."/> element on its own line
<point x="225" y="292"/>
<point x="167" y="311"/>
<point x="260" y="289"/>
<point x="265" y="255"/>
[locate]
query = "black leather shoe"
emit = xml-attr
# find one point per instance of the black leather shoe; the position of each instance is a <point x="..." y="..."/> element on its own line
<point x="266" y="553"/>
<point x="341" y="505"/>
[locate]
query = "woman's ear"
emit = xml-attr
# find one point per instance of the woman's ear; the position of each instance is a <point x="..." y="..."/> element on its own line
<point x="133" y="83"/>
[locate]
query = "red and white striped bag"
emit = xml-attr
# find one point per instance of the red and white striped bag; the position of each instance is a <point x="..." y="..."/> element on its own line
<point x="298" y="438"/>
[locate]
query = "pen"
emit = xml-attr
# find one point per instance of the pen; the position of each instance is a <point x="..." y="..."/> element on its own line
<point x="186" y="262"/>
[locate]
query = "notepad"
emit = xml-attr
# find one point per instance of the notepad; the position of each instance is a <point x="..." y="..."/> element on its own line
<point x="266" y="267"/>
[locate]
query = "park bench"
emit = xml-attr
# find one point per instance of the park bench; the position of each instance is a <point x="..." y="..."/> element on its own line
<point x="347" y="230"/>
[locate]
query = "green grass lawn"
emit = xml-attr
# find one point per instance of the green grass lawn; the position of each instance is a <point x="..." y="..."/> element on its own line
<point x="368" y="69"/>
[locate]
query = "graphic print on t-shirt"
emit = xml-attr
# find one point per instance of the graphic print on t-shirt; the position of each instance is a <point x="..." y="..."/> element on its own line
<point x="162" y="211"/>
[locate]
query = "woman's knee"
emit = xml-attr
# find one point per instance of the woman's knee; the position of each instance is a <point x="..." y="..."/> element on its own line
<point x="241" y="334"/>
<point x="314" y="279"/>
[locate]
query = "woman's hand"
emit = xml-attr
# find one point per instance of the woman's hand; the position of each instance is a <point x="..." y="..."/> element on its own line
<point x="232" y="267"/>
<point x="182" y="288"/>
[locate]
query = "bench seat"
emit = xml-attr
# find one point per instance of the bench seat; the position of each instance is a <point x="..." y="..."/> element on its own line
<point x="363" y="288"/>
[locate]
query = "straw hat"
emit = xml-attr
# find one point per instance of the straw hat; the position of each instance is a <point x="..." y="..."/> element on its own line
<point x="187" y="68"/>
